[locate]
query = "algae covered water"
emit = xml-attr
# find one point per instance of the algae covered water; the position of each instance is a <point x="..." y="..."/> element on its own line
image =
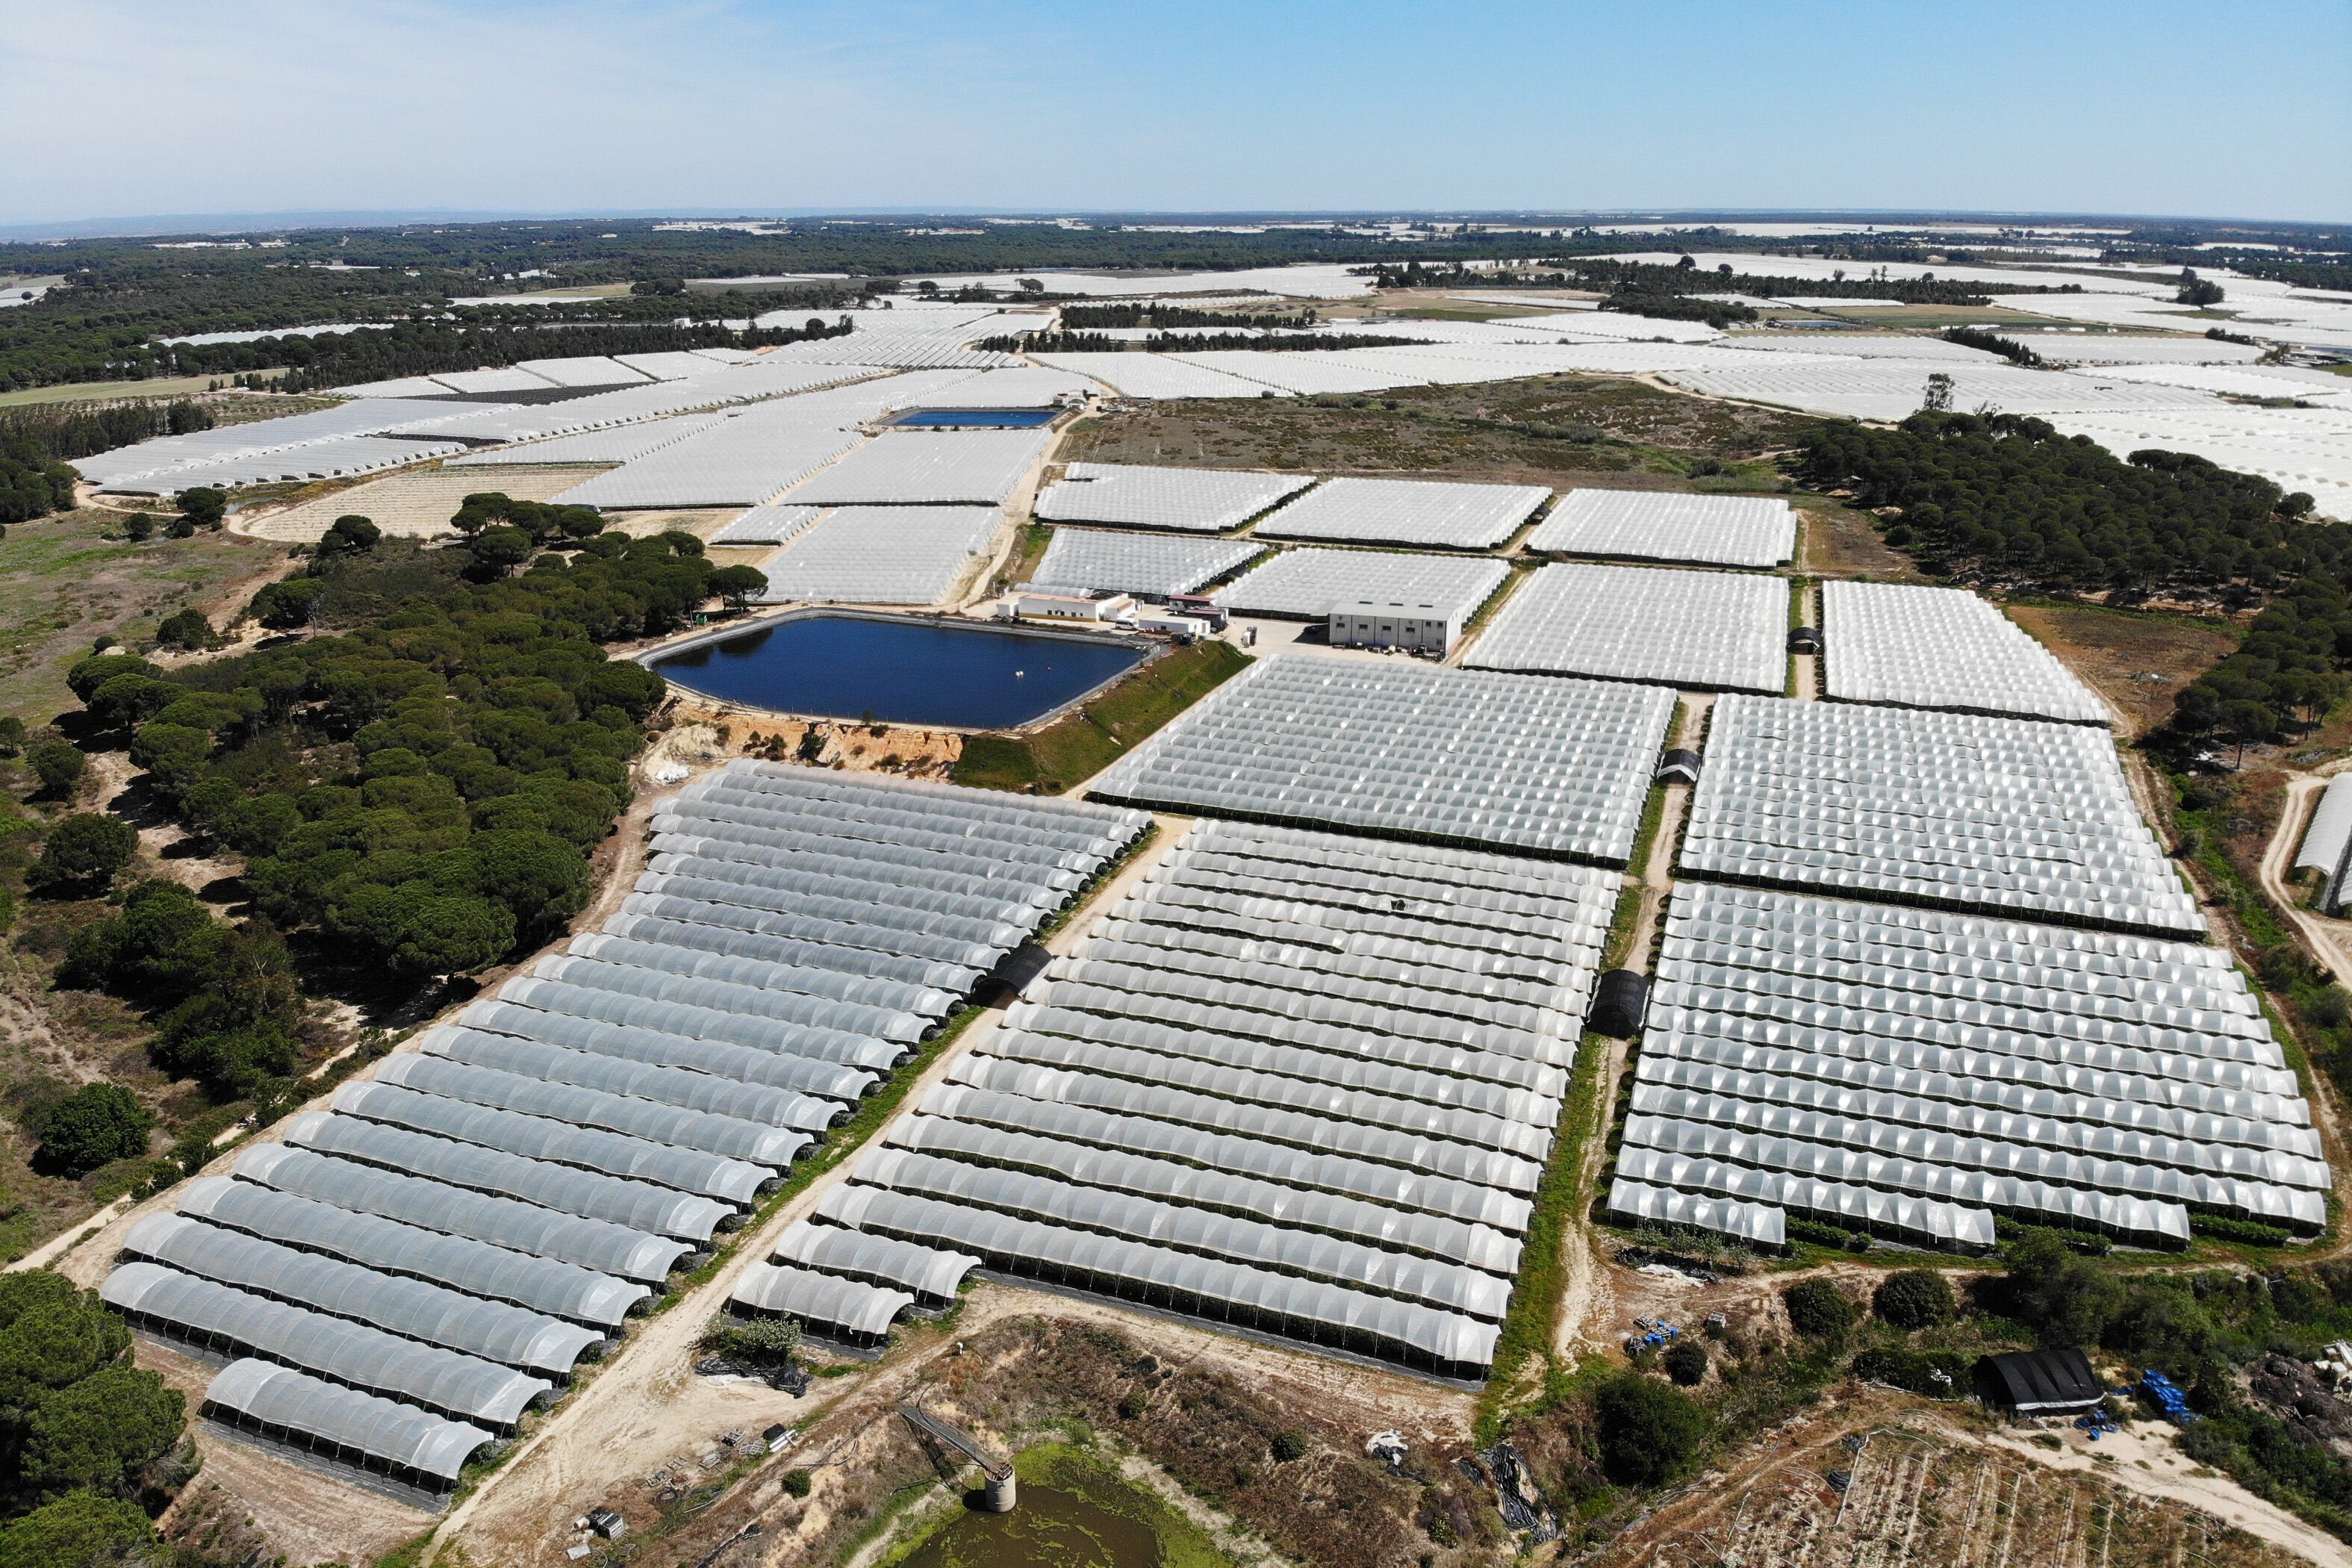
<point x="1075" y="1511"/>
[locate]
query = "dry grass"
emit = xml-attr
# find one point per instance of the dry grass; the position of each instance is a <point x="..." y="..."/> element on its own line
<point x="2137" y="660"/>
<point x="415" y="504"/>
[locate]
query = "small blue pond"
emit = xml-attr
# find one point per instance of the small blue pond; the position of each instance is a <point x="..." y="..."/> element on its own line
<point x="979" y="418"/>
<point x="847" y="666"/>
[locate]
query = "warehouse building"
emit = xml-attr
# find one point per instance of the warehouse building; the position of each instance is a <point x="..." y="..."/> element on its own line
<point x="1414" y="628"/>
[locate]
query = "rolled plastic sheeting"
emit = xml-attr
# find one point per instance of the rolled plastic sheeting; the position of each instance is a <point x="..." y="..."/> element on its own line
<point x="218" y="1317"/>
<point x="343" y="1422"/>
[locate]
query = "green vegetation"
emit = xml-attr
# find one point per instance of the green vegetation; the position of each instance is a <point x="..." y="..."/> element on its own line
<point x="1649" y="1433"/>
<point x="2009" y="349"/>
<point x="1914" y="1299"/>
<point x="36" y="443"/>
<point x="1819" y="1309"/>
<point x="82" y="853"/>
<point x="86" y="1432"/>
<point x="96" y="1125"/>
<point x="2006" y="499"/>
<point x="758" y="1342"/>
<point x="1080" y="745"/>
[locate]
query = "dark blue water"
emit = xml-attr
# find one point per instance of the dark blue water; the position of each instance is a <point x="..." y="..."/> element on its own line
<point x="982" y="419"/>
<point x="899" y="672"/>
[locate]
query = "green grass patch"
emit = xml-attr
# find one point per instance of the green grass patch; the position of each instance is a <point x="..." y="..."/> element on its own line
<point x="1080" y="745"/>
<point x="1535" y="1305"/>
<point x="1087" y="1480"/>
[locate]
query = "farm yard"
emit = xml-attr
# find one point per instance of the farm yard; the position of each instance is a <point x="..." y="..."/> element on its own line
<point x="1573" y="880"/>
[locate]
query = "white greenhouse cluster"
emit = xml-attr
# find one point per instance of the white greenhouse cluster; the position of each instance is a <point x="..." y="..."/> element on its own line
<point x="1709" y="631"/>
<point x="915" y="468"/>
<point x="1943" y="647"/>
<point x="1917" y="1074"/>
<point x="1294" y="1082"/>
<point x="1656" y="525"/>
<point x="1408" y="511"/>
<point x="773" y="524"/>
<point x="1137" y="495"/>
<point x="2005" y="816"/>
<point x="1097" y="560"/>
<point x="881" y="555"/>
<point x="451" y="1240"/>
<point x="1309" y="585"/>
<point x="2328" y="842"/>
<point x="1532" y="764"/>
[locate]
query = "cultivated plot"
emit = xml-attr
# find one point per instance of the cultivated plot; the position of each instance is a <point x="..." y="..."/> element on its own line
<point x="904" y="468"/>
<point x="881" y="555"/>
<point x="1408" y="511"/>
<point x="1945" y="1070"/>
<point x="1309" y="585"/>
<point x="1710" y="631"/>
<point x="1536" y="764"/>
<point x="2001" y="815"/>
<point x="415" y="505"/>
<point x="1294" y="1082"/>
<point x="1943" y="647"/>
<point x="1155" y="566"/>
<point x="456" y="1235"/>
<point x="1195" y="501"/>
<point x="1653" y="525"/>
<point x="773" y="524"/>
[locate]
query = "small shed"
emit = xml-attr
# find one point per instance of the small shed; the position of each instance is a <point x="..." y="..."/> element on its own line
<point x="1620" y="1004"/>
<point x="1678" y="766"/>
<point x="2038" y="1383"/>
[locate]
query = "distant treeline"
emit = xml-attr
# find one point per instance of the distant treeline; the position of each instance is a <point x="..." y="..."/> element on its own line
<point x="1687" y="277"/>
<point x="1717" y="313"/>
<point x="426" y="348"/>
<point x="1192" y="343"/>
<point x="1079" y="318"/>
<point x="2008" y="498"/>
<point x="38" y="440"/>
<point x="2009" y="349"/>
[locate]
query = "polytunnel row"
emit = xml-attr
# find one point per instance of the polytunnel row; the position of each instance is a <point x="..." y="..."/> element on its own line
<point x="1323" y="1116"/>
<point x="414" y="1268"/>
<point x="1916" y="1072"/>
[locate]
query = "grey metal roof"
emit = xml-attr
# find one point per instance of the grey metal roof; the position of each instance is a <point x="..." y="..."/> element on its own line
<point x="344" y="1422"/>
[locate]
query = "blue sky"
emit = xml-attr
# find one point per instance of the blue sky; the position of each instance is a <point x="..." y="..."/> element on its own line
<point x="124" y="107"/>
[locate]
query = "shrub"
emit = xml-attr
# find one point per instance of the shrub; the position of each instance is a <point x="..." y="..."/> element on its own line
<point x="96" y="1125"/>
<point x="80" y="1529"/>
<point x="203" y="507"/>
<point x="188" y="629"/>
<point x="1687" y="1363"/>
<point x="1291" y="1444"/>
<point x="1648" y="1431"/>
<point x="85" y="849"/>
<point x="11" y="735"/>
<point x="763" y="1341"/>
<point x="796" y="1483"/>
<point x="59" y="767"/>
<point x="1818" y="1309"/>
<point x="1915" y="1299"/>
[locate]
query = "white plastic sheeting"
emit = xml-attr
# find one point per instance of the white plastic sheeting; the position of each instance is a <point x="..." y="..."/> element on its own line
<point x="2055" y="1075"/>
<point x="1530" y="762"/>
<point x="1715" y="631"/>
<point x="1284" y="1052"/>
<point x="881" y="555"/>
<point x="1655" y="525"/>
<point x="1309" y="585"/>
<point x="343" y="1424"/>
<point x="174" y="462"/>
<point x="1101" y="559"/>
<point x="1157" y="376"/>
<point x="1918" y="806"/>
<point x="770" y="525"/>
<point x="1425" y="512"/>
<point x="621" y="444"/>
<point x="1137" y="495"/>
<point x="1943" y="647"/>
<point x="2328" y="842"/>
<point x="825" y="1304"/>
<point x="929" y="1274"/>
<point x="904" y="468"/>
